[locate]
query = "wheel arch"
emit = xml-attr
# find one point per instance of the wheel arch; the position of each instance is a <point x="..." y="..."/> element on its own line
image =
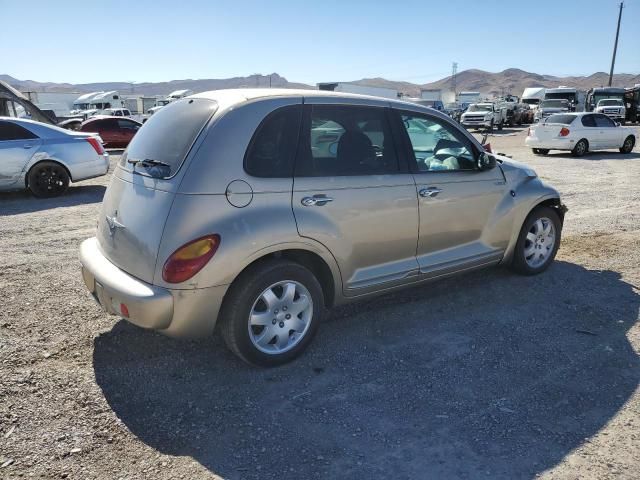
<point x="328" y="277"/>
<point x="42" y="160"/>
<point x="551" y="200"/>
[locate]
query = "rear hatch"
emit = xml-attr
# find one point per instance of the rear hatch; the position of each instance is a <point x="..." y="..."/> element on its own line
<point x="138" y="200"/>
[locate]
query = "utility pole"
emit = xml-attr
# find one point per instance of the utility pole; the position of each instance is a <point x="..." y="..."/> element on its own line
<point x="615" y="45"/>
<point x="454" y="73"/>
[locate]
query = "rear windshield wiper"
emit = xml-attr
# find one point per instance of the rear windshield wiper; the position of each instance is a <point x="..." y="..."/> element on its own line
<point x="149" y="162"/>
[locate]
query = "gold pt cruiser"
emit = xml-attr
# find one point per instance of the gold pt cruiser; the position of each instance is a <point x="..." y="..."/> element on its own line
<point x="259" y="209"/>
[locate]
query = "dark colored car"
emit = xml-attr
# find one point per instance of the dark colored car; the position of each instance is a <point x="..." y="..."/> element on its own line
<point x="116" y="132"/>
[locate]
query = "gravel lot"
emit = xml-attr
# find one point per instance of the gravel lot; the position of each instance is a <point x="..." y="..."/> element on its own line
<point x="489" y="375"/>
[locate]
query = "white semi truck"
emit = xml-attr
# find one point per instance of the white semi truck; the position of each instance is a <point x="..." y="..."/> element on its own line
<point x="575" y="97"/>
<point x="533" y="96"/>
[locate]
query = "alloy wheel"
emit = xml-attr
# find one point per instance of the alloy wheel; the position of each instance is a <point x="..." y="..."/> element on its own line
<point x="50" y="180"/>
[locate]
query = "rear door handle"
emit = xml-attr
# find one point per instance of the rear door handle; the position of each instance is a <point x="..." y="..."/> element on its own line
<point x="316" y="200"/>
<point x="429" y="192"/>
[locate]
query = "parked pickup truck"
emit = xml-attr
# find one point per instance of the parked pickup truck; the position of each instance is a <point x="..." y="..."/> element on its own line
<point x="613" y="108"/>
<point x="484" y="116"/>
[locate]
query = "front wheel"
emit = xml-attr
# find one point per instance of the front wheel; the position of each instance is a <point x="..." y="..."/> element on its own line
<point x="272" y="313"/>
<point x="538" y="242"/>
<point x="628" y="144"/>
<point x="47" y="179"/>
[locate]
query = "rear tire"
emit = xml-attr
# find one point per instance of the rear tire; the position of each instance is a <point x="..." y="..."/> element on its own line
<point x="47" y="179"/>
<point x="261" y="323"/>
<point x="628" y="144"/>
<point x="532" y="254"/>
<point x="580" y="149"/>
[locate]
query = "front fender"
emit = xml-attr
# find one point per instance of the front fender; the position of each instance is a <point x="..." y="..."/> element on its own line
<point x="528" y="195"/>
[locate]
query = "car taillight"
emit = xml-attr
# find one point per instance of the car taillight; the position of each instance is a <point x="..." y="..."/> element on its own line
<point x="189" y="259"/>
<point x="487" y="147"/>
<point x="96" y="144"/>
<point x="564" y="132"/>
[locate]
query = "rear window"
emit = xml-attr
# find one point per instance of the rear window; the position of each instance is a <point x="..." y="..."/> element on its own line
<point x="168" y="135"/>
<point x="563" y="119"/>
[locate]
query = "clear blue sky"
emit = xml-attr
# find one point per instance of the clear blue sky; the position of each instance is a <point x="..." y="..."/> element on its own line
<point x="310" y="41"/>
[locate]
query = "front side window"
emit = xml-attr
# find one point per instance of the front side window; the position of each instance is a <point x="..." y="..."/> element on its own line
<point x="347" y="140"/>
<point x="603" y="121"/>
<point x="437" y="146"/>
<point x="11" y="131"/>
<point x="273" y="146"/>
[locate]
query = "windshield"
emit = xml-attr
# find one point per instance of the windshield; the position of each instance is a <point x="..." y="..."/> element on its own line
<point x="479" y="108"/>
<point x="531" y="101"/>
<point x="610" y="103"/>
<point x="167" y="136"/>
<point x="561" y="118"/>
<point x="554" y="104"/>
<point x="570" y="96"/>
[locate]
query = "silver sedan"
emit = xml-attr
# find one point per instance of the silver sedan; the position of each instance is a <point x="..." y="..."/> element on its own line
<point x="45" y="159"/>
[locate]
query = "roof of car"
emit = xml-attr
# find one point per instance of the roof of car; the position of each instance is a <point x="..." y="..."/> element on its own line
<point x="108" y="117"/>
<point x="229" y="97"/>
<point x="41" y="129"/>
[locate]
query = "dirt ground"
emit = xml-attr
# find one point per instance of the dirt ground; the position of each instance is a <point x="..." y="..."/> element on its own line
<point x="489" y="375"/>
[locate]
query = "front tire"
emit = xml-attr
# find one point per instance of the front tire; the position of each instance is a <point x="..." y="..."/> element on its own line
<point x="540" y="151"/>
<point x="272" y="312"/>
<point x="47" y="179"/>
<point x="580" y="149"/>
<point x="538" y="242"/>
<point x="628" y="144"/>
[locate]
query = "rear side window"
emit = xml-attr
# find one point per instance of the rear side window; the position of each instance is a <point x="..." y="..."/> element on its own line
<point x="563" y="119"/>
<point x="128" y="125"/>
<point x="168" y="135"/>
<point x="273" y="146"/>
<point x="11" y="131"/>
<point x="588" y="121"/>
<point x="604" y="121"/>
<point x="345" y="140"/>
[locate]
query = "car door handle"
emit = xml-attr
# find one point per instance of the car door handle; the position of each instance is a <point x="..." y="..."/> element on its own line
<point x="316" y="200"/>
<point x="429" y="192"/>
<point x="27" y="145"/>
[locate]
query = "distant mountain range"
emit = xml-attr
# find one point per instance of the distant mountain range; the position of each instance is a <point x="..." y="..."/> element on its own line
<point x="512" y="80"/>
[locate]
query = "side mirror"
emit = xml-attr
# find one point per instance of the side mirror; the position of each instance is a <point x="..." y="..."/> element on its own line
<point x="618" y="124"/>
<point x="486" y="161"/>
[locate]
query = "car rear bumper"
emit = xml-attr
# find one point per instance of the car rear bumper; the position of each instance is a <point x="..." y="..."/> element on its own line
<point x="551" y="143"/>
<point x="177" y="313"/>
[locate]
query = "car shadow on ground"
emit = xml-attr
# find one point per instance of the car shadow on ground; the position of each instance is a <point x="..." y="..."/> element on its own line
<point x="599" y="155"/>
<point x="16" y="203"/>
<point x="488" y="374"/>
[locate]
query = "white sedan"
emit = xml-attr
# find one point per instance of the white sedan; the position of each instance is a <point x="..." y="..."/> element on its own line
<point x="579" y="133"/>
<point x="45" y="158"/>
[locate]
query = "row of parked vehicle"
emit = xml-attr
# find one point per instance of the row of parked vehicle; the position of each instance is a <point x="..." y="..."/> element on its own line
<point x="537" y="104"/>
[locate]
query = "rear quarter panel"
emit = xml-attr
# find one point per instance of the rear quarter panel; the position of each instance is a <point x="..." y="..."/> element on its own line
<point x="265" y="226"/>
